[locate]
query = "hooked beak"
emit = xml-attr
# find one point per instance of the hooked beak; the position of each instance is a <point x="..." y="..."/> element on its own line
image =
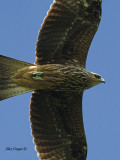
<point x="102" y="80"/>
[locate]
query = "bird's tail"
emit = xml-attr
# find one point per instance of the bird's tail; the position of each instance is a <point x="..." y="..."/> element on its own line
<point x="8" y="67"/>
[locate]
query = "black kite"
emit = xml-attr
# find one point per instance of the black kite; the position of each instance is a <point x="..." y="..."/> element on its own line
<point x="58" y="79"/>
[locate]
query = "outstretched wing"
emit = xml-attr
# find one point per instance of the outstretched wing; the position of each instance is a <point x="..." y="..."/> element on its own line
<point x="56" y="117"/>
<point x="67" y="31"/>
<point x="57" y="125"/>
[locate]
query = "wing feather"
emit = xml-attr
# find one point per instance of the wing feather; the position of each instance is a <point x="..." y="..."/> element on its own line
<point x="67" y="31"/>
<point x="57" y="125"/>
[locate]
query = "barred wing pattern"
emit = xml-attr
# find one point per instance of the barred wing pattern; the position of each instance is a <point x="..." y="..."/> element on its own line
<point x="57" y="125"/>
<point x="56" y="117"/>
<point x="67" y="31"/>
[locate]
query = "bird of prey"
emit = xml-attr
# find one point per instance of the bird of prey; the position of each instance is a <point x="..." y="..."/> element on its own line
<point x="58" y="79"/>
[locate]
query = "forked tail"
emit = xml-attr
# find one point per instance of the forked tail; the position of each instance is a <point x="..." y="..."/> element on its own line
<point x="8" y="67"/>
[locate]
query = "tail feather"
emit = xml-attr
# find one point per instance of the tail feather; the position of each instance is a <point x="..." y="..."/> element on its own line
<point x="8" y="67"/>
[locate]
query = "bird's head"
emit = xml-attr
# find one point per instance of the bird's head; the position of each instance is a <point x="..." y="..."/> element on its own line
<point x="87" y="79"/>
<point x="96" y="79"/>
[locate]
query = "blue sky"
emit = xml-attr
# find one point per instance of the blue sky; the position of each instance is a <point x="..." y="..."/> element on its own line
<point x="20" y="22"/>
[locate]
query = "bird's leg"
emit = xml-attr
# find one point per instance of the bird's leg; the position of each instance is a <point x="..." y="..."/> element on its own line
<point x="37" y="75"/>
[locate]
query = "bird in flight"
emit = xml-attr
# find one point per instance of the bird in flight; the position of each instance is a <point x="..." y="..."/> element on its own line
<point x="58" y="79"/>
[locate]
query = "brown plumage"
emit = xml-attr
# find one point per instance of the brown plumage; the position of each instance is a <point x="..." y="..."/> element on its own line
<point x="58" y="79"/>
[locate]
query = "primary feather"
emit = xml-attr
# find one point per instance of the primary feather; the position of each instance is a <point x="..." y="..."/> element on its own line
<point x="67" y="31"/>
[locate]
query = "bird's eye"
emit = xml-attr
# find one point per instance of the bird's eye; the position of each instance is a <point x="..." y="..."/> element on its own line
<point x="97" y="76"/>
